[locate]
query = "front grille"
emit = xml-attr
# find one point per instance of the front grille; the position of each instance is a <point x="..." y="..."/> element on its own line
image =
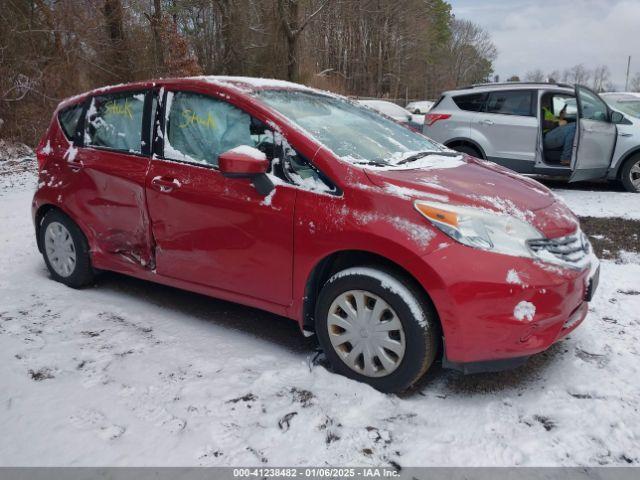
<point x="570" y="249"/>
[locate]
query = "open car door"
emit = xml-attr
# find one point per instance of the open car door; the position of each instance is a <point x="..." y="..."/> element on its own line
<point x="596" y="137"/>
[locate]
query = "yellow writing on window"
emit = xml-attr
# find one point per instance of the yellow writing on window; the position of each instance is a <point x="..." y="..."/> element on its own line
<point x="123" y="109"/>
<point x="189" y="117"/>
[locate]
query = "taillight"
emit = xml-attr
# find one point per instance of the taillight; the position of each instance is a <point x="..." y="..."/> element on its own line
<point x="41" y="159"/>
<point x="43" y="150"/>
<point x="431" y="118"/>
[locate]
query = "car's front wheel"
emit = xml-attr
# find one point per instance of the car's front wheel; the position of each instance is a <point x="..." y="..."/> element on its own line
<point x="630" y="174"/>
<point x="65" y="250"/>
<point x="376" y="328"/>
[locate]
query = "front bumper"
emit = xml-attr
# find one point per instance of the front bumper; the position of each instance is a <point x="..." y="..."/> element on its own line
<point x="477" y="306"/>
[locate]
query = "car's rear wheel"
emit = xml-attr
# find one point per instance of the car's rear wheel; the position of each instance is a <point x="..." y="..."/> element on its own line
<point x="65" y="250"/>
<point x="468" y="149"/>
<point x="375" y="327"/>
<point x="630" y="174"/>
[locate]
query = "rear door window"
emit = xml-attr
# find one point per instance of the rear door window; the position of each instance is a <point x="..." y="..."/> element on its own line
<point x="69" y="120"/>
<point x="115" y="122"/>
<point x="514" y="102"/>
<point x="472" y="102"/>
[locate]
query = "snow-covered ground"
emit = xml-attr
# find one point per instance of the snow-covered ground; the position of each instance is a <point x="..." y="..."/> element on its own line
<point x="131" y="373"/>
<point x="589" y="203"/>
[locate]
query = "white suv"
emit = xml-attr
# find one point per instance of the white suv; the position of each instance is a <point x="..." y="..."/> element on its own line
<point x="511" y="124"/>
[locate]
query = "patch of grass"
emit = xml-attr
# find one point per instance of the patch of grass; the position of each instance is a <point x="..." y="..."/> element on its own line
<point x="546" y="422"/>
<point x="304" y="397"/>
<point x="249" y="397"/>
<point x="610" y="235"/>
<point x="41" y="374"/>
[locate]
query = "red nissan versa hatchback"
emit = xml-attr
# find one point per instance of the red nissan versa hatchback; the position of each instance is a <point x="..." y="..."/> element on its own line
<point x="390" y="247"/>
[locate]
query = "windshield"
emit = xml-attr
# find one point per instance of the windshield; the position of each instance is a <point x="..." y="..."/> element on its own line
<point x="352" y="132"/>
<point x="630" y="107"/>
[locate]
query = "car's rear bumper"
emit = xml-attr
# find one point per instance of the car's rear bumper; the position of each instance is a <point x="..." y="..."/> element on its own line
<point x="482" y="328"/>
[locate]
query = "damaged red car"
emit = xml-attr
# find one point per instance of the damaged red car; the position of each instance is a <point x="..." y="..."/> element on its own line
<point x="394" y="250"/>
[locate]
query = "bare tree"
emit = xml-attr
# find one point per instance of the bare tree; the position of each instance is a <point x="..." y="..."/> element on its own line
<point x="472" y="52"/>
<point x="536" y="75"/>
<point x="293" y="25"/>
<point x="634" y="84"/>
<point x="554" y="76"/>
<point x="577" y="74"/>
<point x="601" y="75"/>
<point x="155" y="19"/>
<point x="119" y="51"/>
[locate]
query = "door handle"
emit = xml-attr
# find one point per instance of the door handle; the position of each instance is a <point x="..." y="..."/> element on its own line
<point x="625" y="134"/>
<point x="486" y="122"/>
<point x="165" y="185"/>
<point x="589" y="130"/>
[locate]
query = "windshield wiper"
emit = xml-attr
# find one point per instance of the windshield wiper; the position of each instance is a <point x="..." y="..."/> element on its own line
<point x="375" y="163"/>
<point x="420" y="155"/>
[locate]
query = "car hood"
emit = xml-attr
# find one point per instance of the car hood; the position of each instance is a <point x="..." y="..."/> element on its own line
<point x="477" y="183"/>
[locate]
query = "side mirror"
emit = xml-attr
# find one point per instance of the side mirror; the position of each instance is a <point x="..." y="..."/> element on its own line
<point x="247" y="162"/>
<point x="617" y="117"/>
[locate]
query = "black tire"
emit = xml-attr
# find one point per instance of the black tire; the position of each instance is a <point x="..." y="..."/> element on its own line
<point x="468" y="149"/>
<point x="421" y="339"/>
<point x="625" y="174"/>
<point x="82" y="273"/>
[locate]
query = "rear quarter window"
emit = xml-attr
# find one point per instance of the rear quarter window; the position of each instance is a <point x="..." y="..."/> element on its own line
<point x="68" y="119"/>
<point x="438" y="102"/>
<point x="472" y="102"/>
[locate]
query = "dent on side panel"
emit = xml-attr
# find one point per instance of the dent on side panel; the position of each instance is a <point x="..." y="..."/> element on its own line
<point x="122" y="209"/>
<point x="108" y="201"/>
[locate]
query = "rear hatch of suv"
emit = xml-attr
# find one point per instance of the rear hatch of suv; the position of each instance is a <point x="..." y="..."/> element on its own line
<point x="451" y="117"/>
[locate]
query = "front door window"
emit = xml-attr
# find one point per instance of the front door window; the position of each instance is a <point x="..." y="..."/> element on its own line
<point x="199" y="128"/>
<point x="592" y="107"/>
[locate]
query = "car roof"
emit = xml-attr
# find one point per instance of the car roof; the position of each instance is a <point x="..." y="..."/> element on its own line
<point x="235" y="84"/>
<point x="490" y="87"/>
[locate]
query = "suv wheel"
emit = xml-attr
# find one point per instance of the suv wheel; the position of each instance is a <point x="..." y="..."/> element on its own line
<point x="468" y="149"/>
<point x="65" y="250"/>
<point x="373" y="327"/>
<point x="630" y="174"/>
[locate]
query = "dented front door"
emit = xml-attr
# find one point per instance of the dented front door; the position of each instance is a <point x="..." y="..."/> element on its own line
<point x="112" y="164"/>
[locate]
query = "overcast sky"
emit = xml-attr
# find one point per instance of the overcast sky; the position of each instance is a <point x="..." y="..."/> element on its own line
<point x="556" y="34"/>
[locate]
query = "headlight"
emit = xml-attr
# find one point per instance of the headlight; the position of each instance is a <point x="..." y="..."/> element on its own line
<point x="481" y="228"/>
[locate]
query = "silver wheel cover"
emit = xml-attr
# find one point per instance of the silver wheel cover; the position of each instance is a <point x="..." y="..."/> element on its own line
<point x="366" y="333"/>
<point x="60" y="249"/>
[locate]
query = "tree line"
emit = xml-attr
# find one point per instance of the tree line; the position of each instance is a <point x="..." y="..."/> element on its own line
<point x="51" y="49"/>
<point x="598" y="78"/>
